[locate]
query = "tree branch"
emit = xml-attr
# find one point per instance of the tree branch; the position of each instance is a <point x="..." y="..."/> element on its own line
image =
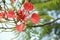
<point x="47" y="24"/>
<point x="36" y="25"/>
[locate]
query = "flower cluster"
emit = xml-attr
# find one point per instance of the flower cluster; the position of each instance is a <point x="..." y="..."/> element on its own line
<point x="22" y="15"/>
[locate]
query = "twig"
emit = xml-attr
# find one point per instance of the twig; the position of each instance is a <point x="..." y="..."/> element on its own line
<point x="47" y="24"/>
<point x="36" y="25"/>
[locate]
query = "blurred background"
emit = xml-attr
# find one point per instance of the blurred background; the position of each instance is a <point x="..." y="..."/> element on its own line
<point x="48" y="10"/>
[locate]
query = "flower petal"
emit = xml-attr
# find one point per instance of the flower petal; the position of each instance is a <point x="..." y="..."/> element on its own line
<point x="35" y="18"/>
<point x="28" y="6"/>
<point x="11" y="14"/>
<point x="2" y="14"/>
<point x="20" y="12"/>
<point x="20" y="27"/>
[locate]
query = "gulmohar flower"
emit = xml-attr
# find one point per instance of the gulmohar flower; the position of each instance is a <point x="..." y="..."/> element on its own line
<point x="11" y="14"/>
<point x="28" y="6"/>
<point x="35" y="18"/>
<point x="20" y="27"/>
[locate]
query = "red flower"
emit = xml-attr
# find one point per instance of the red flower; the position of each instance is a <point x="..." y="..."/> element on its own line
<point x="11" y="14"/>
<point x="20" y="27"/>
<point x="21" y="15"/>
<point x="2" y="14"/>
<point x="20" y="12"/>
<point x="13" y="0"/>
<point x="35" y="18"/>
<point x="28" y="6"/>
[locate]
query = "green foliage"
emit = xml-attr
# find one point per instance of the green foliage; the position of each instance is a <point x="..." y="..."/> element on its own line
<point x="24" y="1"/>
<point x="35" y="1"/>
<point x="50" y="5"/>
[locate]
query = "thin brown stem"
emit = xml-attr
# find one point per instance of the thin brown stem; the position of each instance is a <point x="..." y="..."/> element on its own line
<point x="36" y="25"/>
<point x="46" y="24"/>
